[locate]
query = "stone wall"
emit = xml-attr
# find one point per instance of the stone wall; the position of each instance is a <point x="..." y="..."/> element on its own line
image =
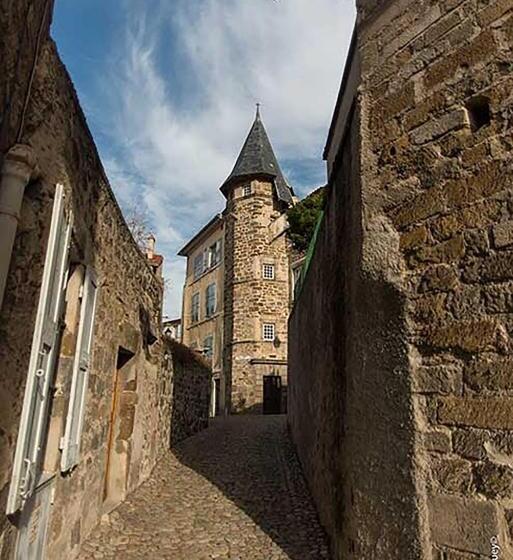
<point x="191" y="381"/>
<point x="128" y="430"/>
<point x="411" y="392"/>
<point x="254" y="235"/>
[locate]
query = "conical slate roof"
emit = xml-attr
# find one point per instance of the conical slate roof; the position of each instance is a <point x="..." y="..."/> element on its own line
<point x="257" y="158"/>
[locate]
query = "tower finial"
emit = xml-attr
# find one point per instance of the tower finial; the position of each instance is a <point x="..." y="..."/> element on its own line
<point x="258" y="111"/>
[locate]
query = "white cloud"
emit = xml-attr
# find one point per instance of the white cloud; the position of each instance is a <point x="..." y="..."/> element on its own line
<point x="182" y="88"/>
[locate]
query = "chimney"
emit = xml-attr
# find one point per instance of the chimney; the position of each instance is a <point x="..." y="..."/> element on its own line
<point x="150" y="247"/>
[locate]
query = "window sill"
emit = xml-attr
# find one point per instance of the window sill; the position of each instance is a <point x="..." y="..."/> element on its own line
<point x="193" y="325"/>
<point x="206" y="272"/>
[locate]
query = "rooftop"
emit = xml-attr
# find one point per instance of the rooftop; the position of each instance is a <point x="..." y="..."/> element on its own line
<point x="257" y="158"/>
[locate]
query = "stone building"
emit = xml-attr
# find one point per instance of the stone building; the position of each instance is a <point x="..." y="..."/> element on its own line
<point x="400" y="340"/>
<point x="238" y="283"/>
<point x="84" y="399"/>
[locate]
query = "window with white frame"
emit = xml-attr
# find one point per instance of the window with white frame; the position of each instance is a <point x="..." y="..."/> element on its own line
<point x="195" y="308"/>
<point x="210" y="300"/>
<point x="26" y="468"/>
<point x="268" y="271"/>
<point x="246" y="190"/>
<point x="268" y="331"/>
<point x="208" y="346"/>
<point x="198" y="266"/>
<point x="80" y="376"/>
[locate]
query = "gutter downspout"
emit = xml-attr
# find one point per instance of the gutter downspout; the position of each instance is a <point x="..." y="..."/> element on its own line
<point x="19" y="167"/>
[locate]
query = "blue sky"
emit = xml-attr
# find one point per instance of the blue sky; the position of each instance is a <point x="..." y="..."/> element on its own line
<point x="169" y="90"/>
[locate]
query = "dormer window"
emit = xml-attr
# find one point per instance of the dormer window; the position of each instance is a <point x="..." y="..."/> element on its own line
<point x="246" y="190"/>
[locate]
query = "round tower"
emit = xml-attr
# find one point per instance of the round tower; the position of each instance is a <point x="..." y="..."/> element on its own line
<point x="257" y="279"/>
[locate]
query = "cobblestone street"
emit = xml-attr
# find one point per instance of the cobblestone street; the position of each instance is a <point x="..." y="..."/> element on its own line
<point x="234" y="491"/>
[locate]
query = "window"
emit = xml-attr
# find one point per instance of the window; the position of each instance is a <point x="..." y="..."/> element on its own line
<point x="210" y="300"/>
<point x="246" y="190"/>
<point x="268" y="331"/>
<point x="198" y="266"/>
<point x="208" y="346"/>
<point x="215" y="253"/>
<point x="80" y="376"/>
<point x="195" y="308"/>
<point x="268" y="271"/>
<point x="43" y="358"/>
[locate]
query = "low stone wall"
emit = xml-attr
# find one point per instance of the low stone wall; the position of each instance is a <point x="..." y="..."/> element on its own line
<point x="191" y="382"/>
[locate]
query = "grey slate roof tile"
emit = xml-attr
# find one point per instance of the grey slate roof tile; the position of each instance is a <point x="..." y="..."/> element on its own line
<point x="257" y="158"/>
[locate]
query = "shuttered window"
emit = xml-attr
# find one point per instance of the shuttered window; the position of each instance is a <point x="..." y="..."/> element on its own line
<point x="210" y="300"/>
<point x="33" y="422"/>
<point x="81" y="368"/>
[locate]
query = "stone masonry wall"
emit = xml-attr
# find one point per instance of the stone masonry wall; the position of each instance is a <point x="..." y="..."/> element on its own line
<point x="403" y="422"/>
<point x="252" y="238"/>
<point x="437" y="103"/>
<point x="191" y="379"/>
<point x="350" y="410"/>
<point x="129" y="303"/>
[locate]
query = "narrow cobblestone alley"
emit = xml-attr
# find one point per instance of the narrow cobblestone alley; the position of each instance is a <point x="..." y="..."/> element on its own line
<point x="234" y="491"/>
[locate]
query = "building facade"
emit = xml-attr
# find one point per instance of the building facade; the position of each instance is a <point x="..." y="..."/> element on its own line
<point x="238" y="285"/>
<point x="401" y="336"/>
<point x="84" y="399"/>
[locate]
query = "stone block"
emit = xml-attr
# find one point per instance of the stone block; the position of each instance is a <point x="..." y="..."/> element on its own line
<point x="495" y="10"/>
<point x="489" y="179"/>
<point x="491" y="373"/>
<point x="477" y="412"/>
<point x="462" y="523"/>
<point x="503" y="234"/>
<point x="452" y="554"/>
<point x="466" y="303"/>
<point x="469" y="336"/>
<point x="479" y="50"/>
<point x="439" y="278"/>
<point x="423" y="111"/>
<point x="469" y="443"/>
<point x="436" y="128"/>
<point x="476" y="242"/>
<point x="479" y="215"/>
<point x="444" y="379"/>
<point x="438" y="440"/>
<point x="414" y="238"/>
<point x="398" y="101"/>
<point x="446" y="252"/>
<point x="494" y="481"/>
<point x="423" y="206"/>
<point x="430" y="308"/>
<point x="453" y="475"/>
<point x="495" y="268"/>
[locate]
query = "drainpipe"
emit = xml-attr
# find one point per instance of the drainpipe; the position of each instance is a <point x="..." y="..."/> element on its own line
<point x="18" y="169"/>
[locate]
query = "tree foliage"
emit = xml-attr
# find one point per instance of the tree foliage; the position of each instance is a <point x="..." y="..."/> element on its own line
<point x="303" y="218"/>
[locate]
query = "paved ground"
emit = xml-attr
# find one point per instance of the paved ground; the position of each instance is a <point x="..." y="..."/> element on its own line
<point x="233" y="492"/>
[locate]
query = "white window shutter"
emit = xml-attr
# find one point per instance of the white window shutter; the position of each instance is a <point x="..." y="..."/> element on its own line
<point x="81" y="368"/>
<point x="43" y="356"/>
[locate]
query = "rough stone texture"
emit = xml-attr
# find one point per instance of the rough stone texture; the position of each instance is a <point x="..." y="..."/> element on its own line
<point x="410" y="286"/>
<point x="129" y="302"/>
<point x="233" y="492"/>
<point x="252" y="230"/>
<point x="191" y="385"/>
<point x="254" y="235"/>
